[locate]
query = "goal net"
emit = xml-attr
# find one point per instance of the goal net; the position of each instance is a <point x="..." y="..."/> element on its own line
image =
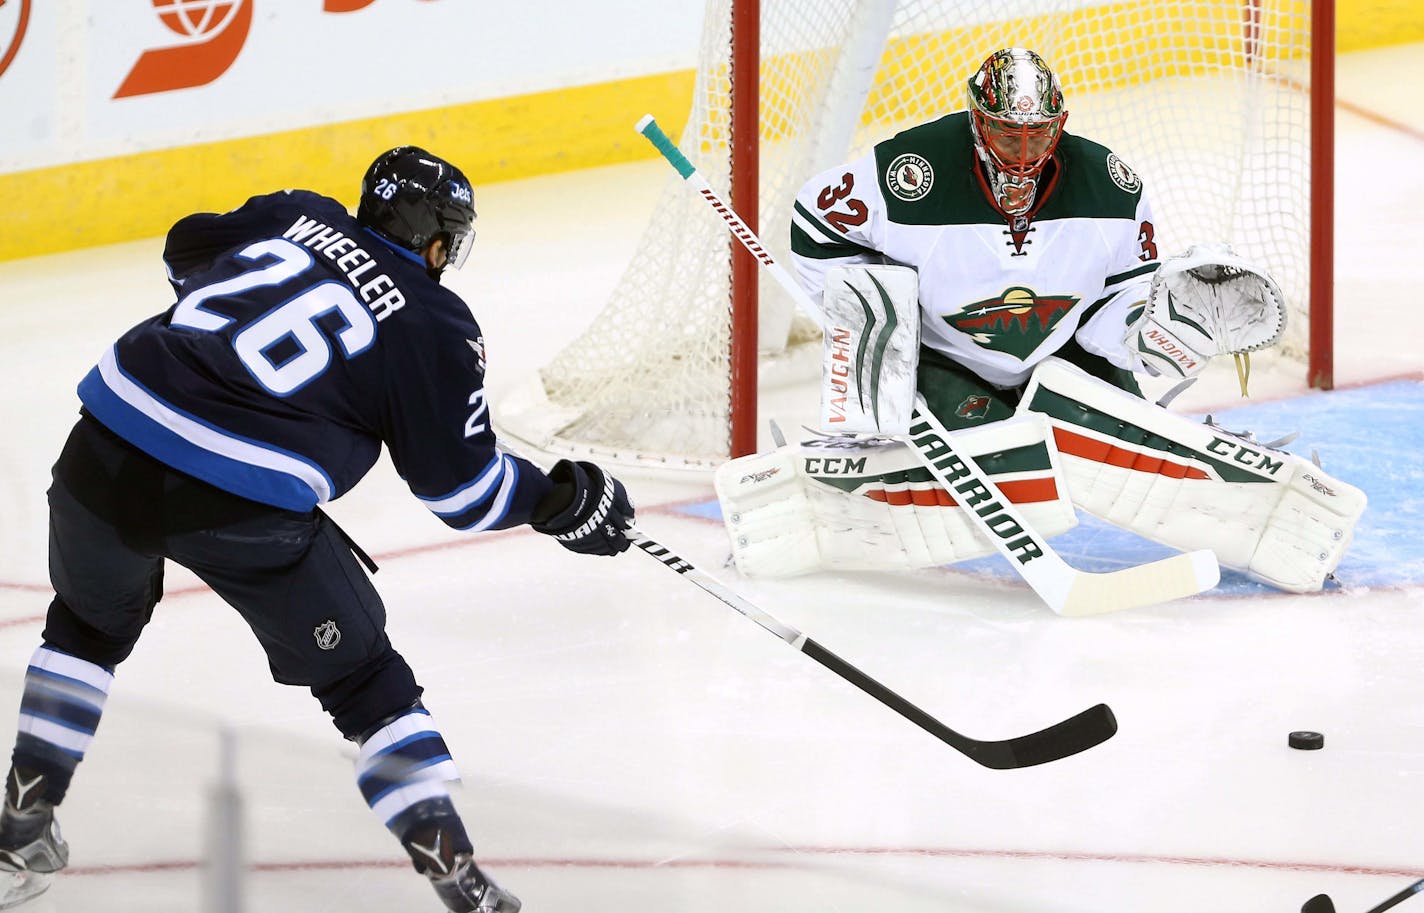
<point x="1207" y="99"/>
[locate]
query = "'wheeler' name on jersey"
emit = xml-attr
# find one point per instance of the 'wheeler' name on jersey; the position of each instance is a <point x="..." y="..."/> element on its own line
<point x="379" y="292"/>
<point x="279" y="374"/>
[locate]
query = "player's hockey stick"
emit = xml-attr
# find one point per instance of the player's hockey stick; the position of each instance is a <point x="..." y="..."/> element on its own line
<point x="1321" y="903"/>
<point x="1065" y="589"/>
<point x="1079" y="733"/>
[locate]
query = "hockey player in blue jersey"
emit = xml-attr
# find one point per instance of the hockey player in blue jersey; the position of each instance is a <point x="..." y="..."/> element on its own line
<point x="301" y="341"/>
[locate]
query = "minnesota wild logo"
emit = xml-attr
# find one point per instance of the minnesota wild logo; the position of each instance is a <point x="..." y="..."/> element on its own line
<point x="974" y="407"/>
<point x="1015" y="323"/>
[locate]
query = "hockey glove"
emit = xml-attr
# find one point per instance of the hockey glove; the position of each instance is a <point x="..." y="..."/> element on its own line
<point x="1205" y="302"/>
<point x="587" y="510"/>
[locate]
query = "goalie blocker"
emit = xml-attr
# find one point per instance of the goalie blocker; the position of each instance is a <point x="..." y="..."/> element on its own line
<point x="871" y="349"/>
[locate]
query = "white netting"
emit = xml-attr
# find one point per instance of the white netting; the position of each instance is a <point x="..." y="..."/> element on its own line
<point x="1207" y="99"/>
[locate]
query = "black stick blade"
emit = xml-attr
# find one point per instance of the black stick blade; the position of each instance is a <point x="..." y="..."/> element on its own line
<point x="1093" y="726"/>
<point x="1320" y="903"/>
<point x="1079" y="733"/>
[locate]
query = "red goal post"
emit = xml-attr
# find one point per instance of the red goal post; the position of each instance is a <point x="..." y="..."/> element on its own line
<point x="1224" y="106"/>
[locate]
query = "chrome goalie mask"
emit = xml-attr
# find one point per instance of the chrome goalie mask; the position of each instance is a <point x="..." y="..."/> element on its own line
<point x="1016" y="113"/>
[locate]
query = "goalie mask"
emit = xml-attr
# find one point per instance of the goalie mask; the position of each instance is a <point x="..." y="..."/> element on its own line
<point x="1016" y="113"/>
<point x="410" y="197"/>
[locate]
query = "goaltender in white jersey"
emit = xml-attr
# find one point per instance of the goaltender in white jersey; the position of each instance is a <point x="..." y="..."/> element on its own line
<point x="1016" y="262"/>
<point x="1039" y="293"/>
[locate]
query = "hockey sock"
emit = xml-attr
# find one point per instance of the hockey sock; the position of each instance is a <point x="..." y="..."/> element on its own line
<point x="59" y="711"/>
<point x="402" y="770"/>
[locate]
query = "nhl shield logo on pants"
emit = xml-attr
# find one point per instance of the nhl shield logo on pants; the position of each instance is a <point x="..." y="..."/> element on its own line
<point x="327" y="635"/>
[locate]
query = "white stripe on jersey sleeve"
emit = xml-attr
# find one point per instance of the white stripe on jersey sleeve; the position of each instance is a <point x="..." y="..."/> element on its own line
<point x="1140" y="277"/>
<point x="500" y="507"/>
<point x="815" y="228"/>
<point x="462" y="499"/>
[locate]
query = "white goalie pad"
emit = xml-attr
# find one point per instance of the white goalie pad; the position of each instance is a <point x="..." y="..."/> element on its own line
<point x="871" y="349"/>
<point x="869" y="504"/>
<point x="1205" y="302"/>
<point x="1272" y="515"/>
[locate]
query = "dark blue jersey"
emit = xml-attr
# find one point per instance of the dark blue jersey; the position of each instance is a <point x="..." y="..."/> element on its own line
<point x="299" y="343"/>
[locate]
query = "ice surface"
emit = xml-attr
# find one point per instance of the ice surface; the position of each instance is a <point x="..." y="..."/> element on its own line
<point x="630" y="744"/>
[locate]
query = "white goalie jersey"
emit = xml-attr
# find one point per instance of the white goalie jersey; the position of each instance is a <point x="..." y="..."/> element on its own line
<point x="995" y="297"/>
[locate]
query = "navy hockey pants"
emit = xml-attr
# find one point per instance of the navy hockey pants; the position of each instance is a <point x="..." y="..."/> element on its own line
<point x="116" y="514"/>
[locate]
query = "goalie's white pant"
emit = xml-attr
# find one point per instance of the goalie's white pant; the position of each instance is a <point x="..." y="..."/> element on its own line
<point x="848" y="503"/>
<point x="1272" y="515"/>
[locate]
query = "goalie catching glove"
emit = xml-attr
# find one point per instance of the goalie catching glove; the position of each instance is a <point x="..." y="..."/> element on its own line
<point x="586" y="512"/>
<point x="1206" y="302"/>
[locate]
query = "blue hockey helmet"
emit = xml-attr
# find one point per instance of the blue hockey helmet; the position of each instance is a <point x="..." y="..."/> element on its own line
<point x="411" y="197"/>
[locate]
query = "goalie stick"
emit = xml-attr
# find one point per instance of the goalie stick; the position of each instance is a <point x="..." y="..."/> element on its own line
<point x="1073" y="735"/>
<point x="1321" y="903"/>
<point x="1066" y="590"/>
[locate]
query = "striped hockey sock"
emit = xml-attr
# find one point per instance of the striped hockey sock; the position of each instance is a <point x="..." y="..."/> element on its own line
<point x="59" y="712"/>
<point x="403" y="765"/>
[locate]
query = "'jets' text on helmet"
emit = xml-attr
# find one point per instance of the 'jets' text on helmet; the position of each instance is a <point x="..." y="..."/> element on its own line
<point x="410" y="197"/>
<point x="1017" y="114"/>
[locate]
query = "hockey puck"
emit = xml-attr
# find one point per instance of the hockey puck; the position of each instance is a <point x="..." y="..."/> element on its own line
<point x="1307" y="741"/>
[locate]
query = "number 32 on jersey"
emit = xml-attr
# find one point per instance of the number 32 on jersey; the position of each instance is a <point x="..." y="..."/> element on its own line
<point x="842" y="221"/>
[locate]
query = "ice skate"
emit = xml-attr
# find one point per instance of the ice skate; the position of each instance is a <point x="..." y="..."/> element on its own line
<point x="468" y="890"/>
<point x="457" y="880"/>
<point x="31" y="848"/>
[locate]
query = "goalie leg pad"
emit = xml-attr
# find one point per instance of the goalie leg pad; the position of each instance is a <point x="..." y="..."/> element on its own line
<point x="1267" y="513"/>
<point x="853" y="503"/>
